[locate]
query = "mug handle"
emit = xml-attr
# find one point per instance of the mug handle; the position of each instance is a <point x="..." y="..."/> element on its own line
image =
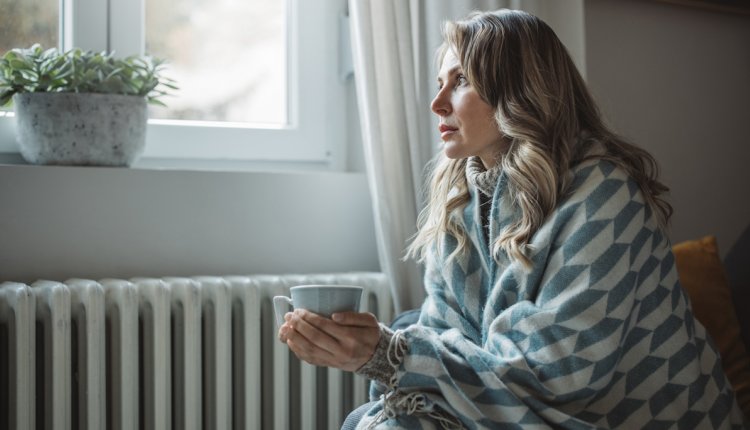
<point x="280" y="305"/>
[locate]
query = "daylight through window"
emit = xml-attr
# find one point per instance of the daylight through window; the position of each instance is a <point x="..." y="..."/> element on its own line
<point x="228" y="56"/>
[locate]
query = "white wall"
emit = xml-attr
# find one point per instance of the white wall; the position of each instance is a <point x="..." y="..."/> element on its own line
<point x="676" y="80"/>
<point x="61" y="222"/>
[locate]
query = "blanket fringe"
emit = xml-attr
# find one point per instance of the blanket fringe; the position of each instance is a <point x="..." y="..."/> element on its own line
<point x="395" y="401"/>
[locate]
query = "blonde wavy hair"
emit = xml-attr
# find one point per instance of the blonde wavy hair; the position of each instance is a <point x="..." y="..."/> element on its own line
<point x="516" y="62"/>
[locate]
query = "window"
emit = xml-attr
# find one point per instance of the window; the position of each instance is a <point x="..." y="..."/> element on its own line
<point x="22" y="23"/>
<point x="234" y="72"/>
<point x="259" y="79"/>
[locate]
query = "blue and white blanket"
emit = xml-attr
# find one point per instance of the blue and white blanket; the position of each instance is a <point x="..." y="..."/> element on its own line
<point x="598" y="334"/>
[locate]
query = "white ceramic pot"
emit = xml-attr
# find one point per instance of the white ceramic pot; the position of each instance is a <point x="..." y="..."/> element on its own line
<point x="80" y="128"/>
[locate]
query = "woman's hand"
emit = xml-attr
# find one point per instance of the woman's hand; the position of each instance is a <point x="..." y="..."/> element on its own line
<point x="346" y="341"/>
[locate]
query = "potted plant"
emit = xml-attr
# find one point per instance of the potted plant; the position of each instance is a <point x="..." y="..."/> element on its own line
<point x="80" y="108"/>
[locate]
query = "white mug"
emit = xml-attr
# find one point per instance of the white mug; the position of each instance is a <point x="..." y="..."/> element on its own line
<point x="324" y="300"/>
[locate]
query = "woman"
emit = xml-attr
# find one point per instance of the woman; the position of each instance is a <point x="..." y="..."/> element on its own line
<point x="552" y="296"/>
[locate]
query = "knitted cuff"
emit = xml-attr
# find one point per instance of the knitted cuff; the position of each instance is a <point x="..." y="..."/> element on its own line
<point x="378" y="368"/>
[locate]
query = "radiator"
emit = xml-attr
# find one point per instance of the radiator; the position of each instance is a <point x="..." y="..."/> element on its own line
<point x="168" y="353"/>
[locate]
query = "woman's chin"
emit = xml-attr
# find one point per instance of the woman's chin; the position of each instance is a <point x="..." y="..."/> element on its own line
<point x="452" y="151"/>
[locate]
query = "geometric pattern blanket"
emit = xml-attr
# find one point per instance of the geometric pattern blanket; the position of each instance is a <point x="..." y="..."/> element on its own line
<point x="597" y="334"/>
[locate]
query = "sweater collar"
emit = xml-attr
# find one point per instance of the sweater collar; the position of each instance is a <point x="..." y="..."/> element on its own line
<point x="484" y="180"/>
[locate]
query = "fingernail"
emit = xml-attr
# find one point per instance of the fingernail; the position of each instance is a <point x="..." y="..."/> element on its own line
<point x="337" y="317"/>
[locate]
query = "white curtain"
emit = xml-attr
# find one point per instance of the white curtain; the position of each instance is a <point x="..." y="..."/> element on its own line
<point x="393" y="46"/>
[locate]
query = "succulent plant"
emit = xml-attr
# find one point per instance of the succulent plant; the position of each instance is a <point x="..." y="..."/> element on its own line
<point x="35" y="70"/>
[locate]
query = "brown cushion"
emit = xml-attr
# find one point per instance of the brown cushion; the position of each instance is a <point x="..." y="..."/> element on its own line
<point x="702" y="276"/>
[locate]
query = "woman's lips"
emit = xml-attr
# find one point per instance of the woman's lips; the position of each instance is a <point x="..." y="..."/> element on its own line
<point x="446" y="130"/>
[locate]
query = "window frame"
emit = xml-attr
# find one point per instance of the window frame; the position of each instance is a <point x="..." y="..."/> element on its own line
<point x="316" y="97"/>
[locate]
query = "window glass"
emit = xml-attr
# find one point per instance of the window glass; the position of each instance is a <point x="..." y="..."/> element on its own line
<point x="227" y="56"/>
<point x="25" y="22"/>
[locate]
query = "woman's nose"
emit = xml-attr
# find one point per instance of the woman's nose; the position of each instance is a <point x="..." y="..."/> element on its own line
<point x="440" y="104"/>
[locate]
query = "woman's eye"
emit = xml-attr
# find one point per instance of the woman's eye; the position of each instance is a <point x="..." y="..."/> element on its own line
<point x="461" y="81"/>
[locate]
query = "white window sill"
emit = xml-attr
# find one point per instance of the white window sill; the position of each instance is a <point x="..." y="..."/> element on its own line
<point x="15" y="159"/>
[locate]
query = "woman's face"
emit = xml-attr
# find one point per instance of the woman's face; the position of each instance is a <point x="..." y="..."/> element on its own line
<point x="467" y="123"/>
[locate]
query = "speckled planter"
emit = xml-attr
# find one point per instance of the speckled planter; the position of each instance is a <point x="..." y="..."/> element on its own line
<point x="80" y="128"/>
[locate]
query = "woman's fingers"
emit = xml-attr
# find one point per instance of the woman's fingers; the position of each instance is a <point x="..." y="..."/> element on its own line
<point x="321" y="341"/>
<point x="341" y="324"/>
<point x="308" y="351"/>
<point x="310" y="326"/>
<point x="355" y="319"/>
